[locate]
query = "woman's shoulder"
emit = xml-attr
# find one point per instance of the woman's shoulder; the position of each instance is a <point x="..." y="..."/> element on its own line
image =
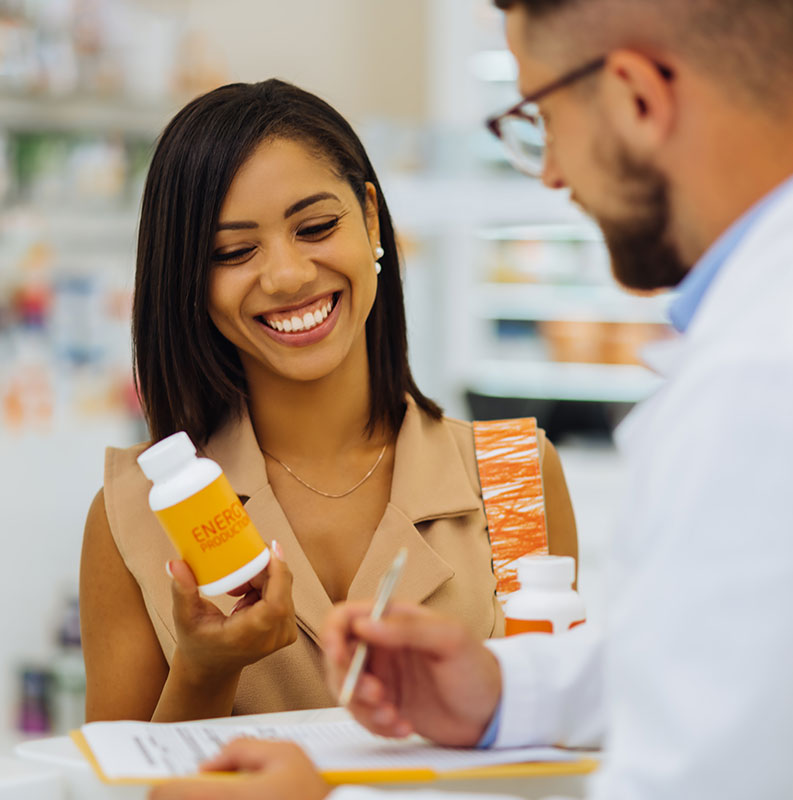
<point x="125" y="486"/>
<point x="121" y="463"/>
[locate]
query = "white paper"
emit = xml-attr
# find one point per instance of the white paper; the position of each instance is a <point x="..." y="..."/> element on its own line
<point x="148" y="750"/>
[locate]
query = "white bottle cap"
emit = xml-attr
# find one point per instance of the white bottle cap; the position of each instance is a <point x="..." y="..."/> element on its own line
<point x="545" y="571"/>
<point x="166" y="456"/>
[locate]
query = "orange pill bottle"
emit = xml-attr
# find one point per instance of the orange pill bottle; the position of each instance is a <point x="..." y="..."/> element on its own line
<point x="202" y="515"/>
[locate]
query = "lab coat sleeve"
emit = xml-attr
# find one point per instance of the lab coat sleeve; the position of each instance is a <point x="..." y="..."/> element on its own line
<point x="552" y="690"/>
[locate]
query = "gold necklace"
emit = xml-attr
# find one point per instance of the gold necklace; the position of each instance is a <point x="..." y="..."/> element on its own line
<point x="328" y="494"/>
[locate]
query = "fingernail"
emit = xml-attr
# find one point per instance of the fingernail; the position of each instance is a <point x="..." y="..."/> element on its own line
<point x="403" y="729"/>
<point x="168" y="569"/>
<point x="276" y="548"/>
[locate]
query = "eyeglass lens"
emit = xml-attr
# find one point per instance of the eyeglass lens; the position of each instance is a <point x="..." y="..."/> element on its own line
<point x="524" y="141"/>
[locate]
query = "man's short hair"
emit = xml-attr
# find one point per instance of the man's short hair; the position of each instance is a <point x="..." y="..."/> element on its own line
<point x="746" y="45"/>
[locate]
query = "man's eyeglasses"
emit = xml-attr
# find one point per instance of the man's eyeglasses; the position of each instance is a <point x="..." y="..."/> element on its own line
<point x="521" y="128"/>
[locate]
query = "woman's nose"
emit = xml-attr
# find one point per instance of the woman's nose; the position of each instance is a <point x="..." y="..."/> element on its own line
<point x="286" y="270"/>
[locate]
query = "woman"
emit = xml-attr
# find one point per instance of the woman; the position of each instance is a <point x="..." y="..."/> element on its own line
<point x="268" y="323"/>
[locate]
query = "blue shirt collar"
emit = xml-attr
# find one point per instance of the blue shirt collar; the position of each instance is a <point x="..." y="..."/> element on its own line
<point x="694" y="286"/>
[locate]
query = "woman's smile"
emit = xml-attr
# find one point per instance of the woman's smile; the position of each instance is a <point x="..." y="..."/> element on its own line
<point x="304" y="324"/>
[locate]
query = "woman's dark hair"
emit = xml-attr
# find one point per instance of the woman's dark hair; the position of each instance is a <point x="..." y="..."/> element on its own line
<point x="189" y="377"/>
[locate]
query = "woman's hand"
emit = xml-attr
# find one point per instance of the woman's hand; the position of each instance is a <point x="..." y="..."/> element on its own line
<point x="424" y="673"/>
<point x="279" y="771"/>
<point x="211" y="645"/>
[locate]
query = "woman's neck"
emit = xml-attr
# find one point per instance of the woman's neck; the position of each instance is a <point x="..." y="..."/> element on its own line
<point x="313" y="420"/>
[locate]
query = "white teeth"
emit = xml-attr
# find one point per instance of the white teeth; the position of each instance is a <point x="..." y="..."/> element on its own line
<point x="309" y="320"/>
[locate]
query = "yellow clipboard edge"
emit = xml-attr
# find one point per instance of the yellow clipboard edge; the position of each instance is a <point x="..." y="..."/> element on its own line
<point x="339" y="777"/>
<point x="79" y="739"/>
<point x="538" y="769"/>
<point x="85" y="749"/>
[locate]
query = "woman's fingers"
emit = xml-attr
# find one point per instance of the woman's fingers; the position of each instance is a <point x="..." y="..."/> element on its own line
<point x="251" y="755"/>
<point x="276" y="602"/>
<point x="188" y="605"/>
<point x="258" y="582"/>
<point x="182" y="575"/>
<point x="278" y="582"/>
<point x="249" y="599"/>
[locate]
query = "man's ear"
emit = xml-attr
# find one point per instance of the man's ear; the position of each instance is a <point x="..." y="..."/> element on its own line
<point x="639" y="100"/>
<point x="371" y="214"/>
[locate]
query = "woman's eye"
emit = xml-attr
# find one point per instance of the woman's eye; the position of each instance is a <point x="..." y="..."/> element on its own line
<point x="318" y="231"/>
<point x="233" y="256"/>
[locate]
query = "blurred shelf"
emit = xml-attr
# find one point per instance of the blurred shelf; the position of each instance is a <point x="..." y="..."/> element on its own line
<point x="583" y="231"/>
<point x="614" y="383"/>
<point x="467" y="204"/>
<point x="575" y="303"/>
<point x="91" y="237"/>
<point x="90" y="222"/>
<point x="47" y="113"/>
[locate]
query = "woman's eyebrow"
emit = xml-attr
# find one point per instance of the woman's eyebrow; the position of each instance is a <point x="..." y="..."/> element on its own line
<point x="307" y="201"/>
<point x="239" y="225"/>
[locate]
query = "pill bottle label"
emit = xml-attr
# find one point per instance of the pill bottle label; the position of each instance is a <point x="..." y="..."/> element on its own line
<point x="514" y="626"/>
<point x="213" y="542"/>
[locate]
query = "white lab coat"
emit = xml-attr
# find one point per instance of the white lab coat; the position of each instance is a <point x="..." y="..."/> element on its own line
<point x="692" y="683"/>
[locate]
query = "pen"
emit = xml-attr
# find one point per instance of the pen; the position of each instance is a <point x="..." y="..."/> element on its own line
<point x="384" y="592"/>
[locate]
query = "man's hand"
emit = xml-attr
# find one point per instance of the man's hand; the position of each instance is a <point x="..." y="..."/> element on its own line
<point x="276" y="771"/>
<point x="425" y="673"/>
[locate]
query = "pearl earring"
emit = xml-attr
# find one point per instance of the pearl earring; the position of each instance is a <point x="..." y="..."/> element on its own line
<point x="379" y="253"/>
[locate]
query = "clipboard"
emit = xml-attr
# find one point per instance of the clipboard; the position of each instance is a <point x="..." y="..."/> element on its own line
<point x="338" y="777"/>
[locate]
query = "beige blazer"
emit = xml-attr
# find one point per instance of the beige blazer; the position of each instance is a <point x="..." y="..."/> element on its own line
<point x="435" y="510"/>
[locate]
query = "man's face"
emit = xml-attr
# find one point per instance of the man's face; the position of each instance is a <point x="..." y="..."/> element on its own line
<point x="627" y="198"/>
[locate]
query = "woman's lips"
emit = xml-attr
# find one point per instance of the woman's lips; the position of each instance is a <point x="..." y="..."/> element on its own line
<point x="321" y="315"/>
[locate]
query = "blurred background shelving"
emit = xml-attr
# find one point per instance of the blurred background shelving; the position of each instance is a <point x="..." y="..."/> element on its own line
<point x="511" y="307"/>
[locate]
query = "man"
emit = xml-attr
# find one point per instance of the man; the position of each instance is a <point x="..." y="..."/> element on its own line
<point x="671" y="123"/>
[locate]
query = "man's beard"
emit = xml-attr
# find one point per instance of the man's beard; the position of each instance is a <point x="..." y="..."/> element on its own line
<point x="642" y="257"/>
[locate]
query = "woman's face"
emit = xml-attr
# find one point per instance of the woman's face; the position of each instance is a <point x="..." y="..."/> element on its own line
<point x="293" y="277"/>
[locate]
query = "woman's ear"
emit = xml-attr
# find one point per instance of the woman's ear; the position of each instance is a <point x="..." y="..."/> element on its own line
<point x="371" y="214"/>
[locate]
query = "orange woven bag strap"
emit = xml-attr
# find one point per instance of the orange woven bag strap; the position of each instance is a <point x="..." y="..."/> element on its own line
<point x="508" y="457"/>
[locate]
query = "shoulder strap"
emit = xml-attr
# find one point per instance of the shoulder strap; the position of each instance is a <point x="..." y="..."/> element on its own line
<point x="508" y="459"/>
